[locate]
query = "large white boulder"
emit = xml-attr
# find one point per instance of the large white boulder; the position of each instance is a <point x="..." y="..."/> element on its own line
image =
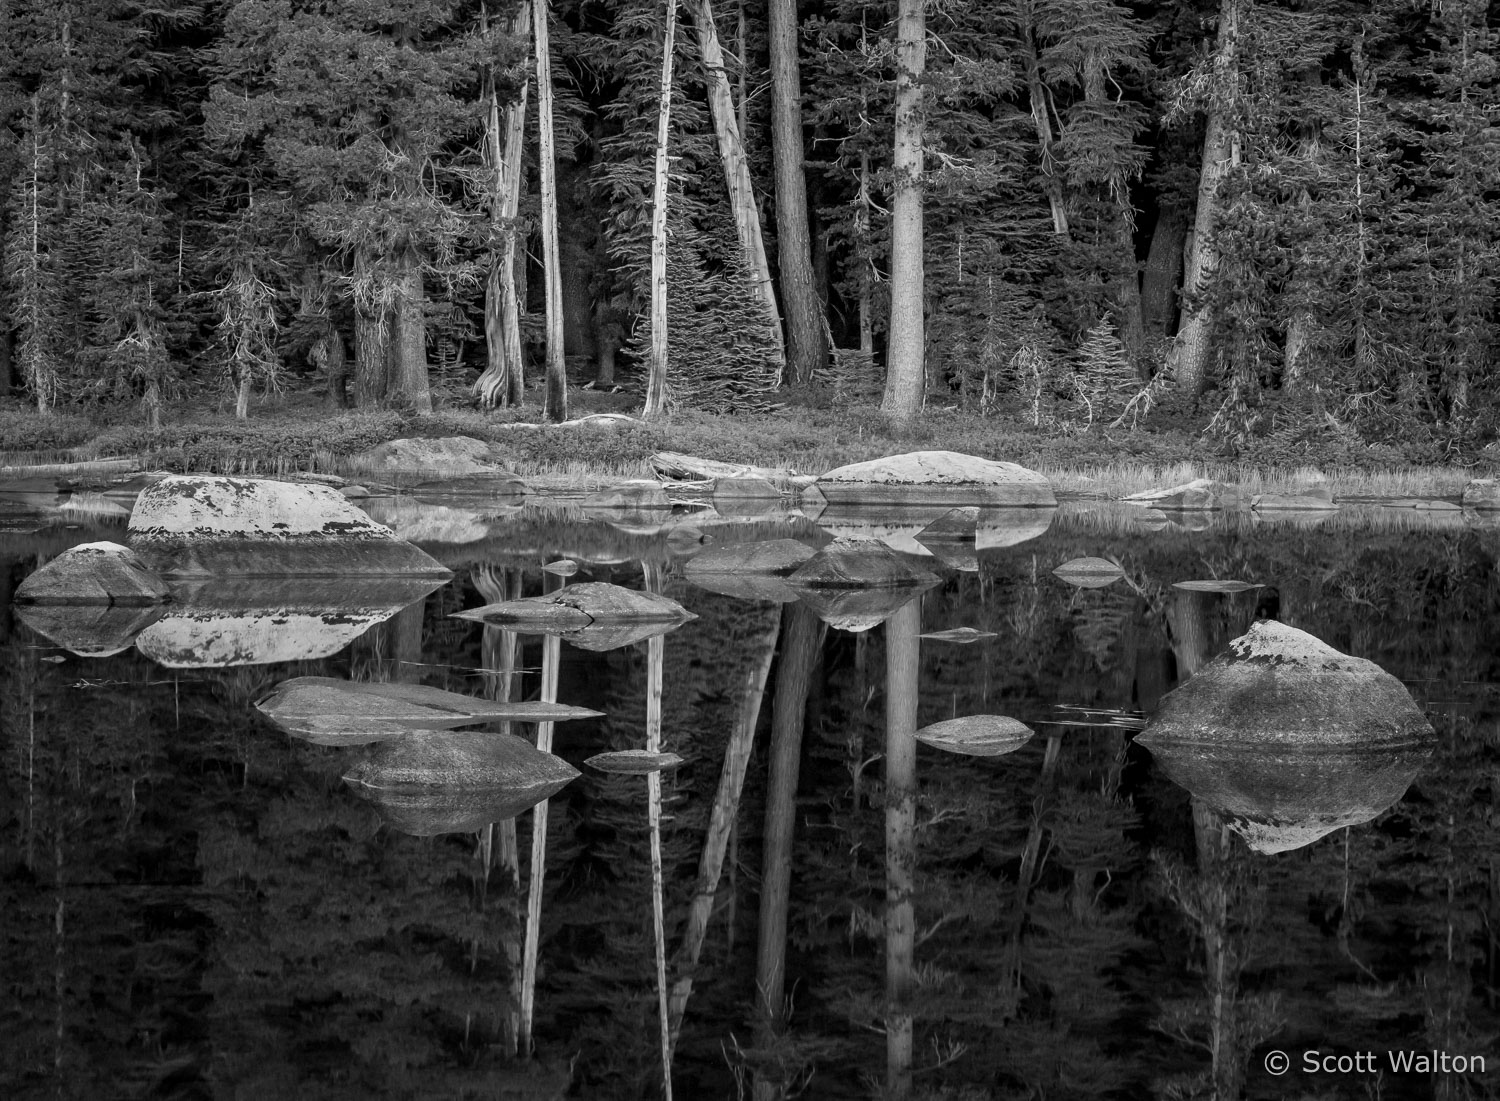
<point x="946" y="477"/>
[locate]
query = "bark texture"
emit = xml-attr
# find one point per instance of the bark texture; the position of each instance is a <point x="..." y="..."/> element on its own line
<point x="905" y="369"/>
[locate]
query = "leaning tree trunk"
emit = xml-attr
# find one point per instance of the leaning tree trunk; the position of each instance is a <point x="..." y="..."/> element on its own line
<point x="1163" y="269"/>
<point x="656" y="375"/>
<point x="556" y="406"/>
<point x="1189" y="357"/>
<point x="737" y="172"/>
<point x="503" y="380"/>
<point x="905" y="369"/>
<point x="807" y="334"/>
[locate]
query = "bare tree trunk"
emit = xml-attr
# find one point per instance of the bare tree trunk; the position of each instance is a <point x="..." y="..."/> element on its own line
<point x="721" y="820"/>
<point x="1163" y="270"/>
<point x="807" y="331"/>
<point x="408" y="345"/>
<point x="802" y="639"/>
<point x="504" y="376"/>
<point x="905" y="369"/>
<point x="902" y="664"/>
<point x="656" y="376"/>
<point x="1189" y="357"/>
<point x="656" y="663"/>
<point x="556" y="406"/>
<point x="737" y="170"/>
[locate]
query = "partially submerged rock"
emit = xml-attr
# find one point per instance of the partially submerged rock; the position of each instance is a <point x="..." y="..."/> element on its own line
<point x="331" y="711"/>
<point x="977" y="735"/>
<point x="636" y="494"/>
<point x="94" y="573"/>
<point x="768" y="557"/>
<point x="633" y="762"/>
<point x="1280" y="799"/>
<point x="1280" y="687"/>
<point x="858" y="564"/>
<point x="591" y="603"/>
<point x="1089" y="573"/>
<point x="456" y="781"/>
<point x="938" y="476"/>
<point x="758" y="587"/>
<point x="1302" y="502"/>
<point x="1201" y="494"/>
<point x="199" y="525"/>
<point x="1482" y="494"/>
<point x="450" y="457"/>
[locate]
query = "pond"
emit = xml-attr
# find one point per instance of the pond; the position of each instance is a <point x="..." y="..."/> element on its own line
<point x="197" y="904"/>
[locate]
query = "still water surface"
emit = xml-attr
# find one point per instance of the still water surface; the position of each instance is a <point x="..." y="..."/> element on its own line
<point x="197" y="905"/>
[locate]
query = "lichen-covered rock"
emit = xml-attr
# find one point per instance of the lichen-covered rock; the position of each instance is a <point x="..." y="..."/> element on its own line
<point x="202" y="525"/>
<point x="938" y="476"/>
<point x="1199" y="495"/>
<point x="450" y="457"/>
<point x="94" y="573"/>
<point x="858" y="564"/>
<point x="1277" y="686"/>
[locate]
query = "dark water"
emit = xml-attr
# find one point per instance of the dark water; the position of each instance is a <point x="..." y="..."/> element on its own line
<point x="196" y="904"/>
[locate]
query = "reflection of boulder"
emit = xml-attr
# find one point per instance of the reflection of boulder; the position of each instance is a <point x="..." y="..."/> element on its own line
<point x="633" y="762"/>
<point x="858" y="610"/>
<point x="253" y="621"/>
<point x="628" y="495"/>
<point x="936" y="476"/>
<point x="1280" y="799"/>
<point x="611" y="636"/>
<point x="747" y="587"/>
<point x="1089" y="573"/>
<point x="456" y="781"/>
<point x="773" y="557"/>
<point x="93" y="573"/>
<point x="89" y="630"/>
<point x="858" y="564"/>
<point x="330" y="711"/>
<point x="420" y="522"/>
<point x="201" y="525"/>
<point x="746" y="496"/>
<point x="1277" y="686"/>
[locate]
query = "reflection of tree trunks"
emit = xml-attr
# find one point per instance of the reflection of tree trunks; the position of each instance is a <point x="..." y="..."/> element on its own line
<point x="498" y="843"/>
<point x="802" y="639"/>
<point x="721" y="821"/>
<point x="902" y="663"/>
<point x="1187" y="619"/>
<point x="656" y="650"/>
<point x="1031" y="857"/>
<point x="1221" y="969"/>
<point x="551" y="656"/>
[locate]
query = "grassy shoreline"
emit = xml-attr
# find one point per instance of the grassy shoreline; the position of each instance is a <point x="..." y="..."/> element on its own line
<point x="298" y="436"/>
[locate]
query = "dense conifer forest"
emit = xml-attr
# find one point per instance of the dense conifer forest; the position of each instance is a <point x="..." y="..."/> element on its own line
<point x="1280" y="215"/>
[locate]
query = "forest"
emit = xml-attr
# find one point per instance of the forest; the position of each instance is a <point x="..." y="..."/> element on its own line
<point x="1280" y="218"/>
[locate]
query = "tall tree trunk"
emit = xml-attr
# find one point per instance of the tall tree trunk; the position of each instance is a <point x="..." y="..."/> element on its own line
<point x="807" y="333"/>
<point x="371" y="335"/>
<point x="503" y="380"/>
<point x="408" y="344"/>
<point x="556" y="405"/>
<point x="656" y="375"/>
<point x="902" y="664"/>
<point x="1163" y="270"/>
<point x="802" y="640"/>
<point x="905" y="369"/>
<point x="1041" y="117"/>
<point x="737" y="170"/>
<point x="1189" y="357"/>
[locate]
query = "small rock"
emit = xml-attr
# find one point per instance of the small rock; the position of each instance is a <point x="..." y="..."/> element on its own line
<point x="450" y="457"/>
<point x="1089" y="573"/>
<point x="1271" y="502"/>
<point x="94" y="573"/>
<point x="1199" y="495"/>
<point x="563" y="567"/>
<point x="743" y="489"/>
